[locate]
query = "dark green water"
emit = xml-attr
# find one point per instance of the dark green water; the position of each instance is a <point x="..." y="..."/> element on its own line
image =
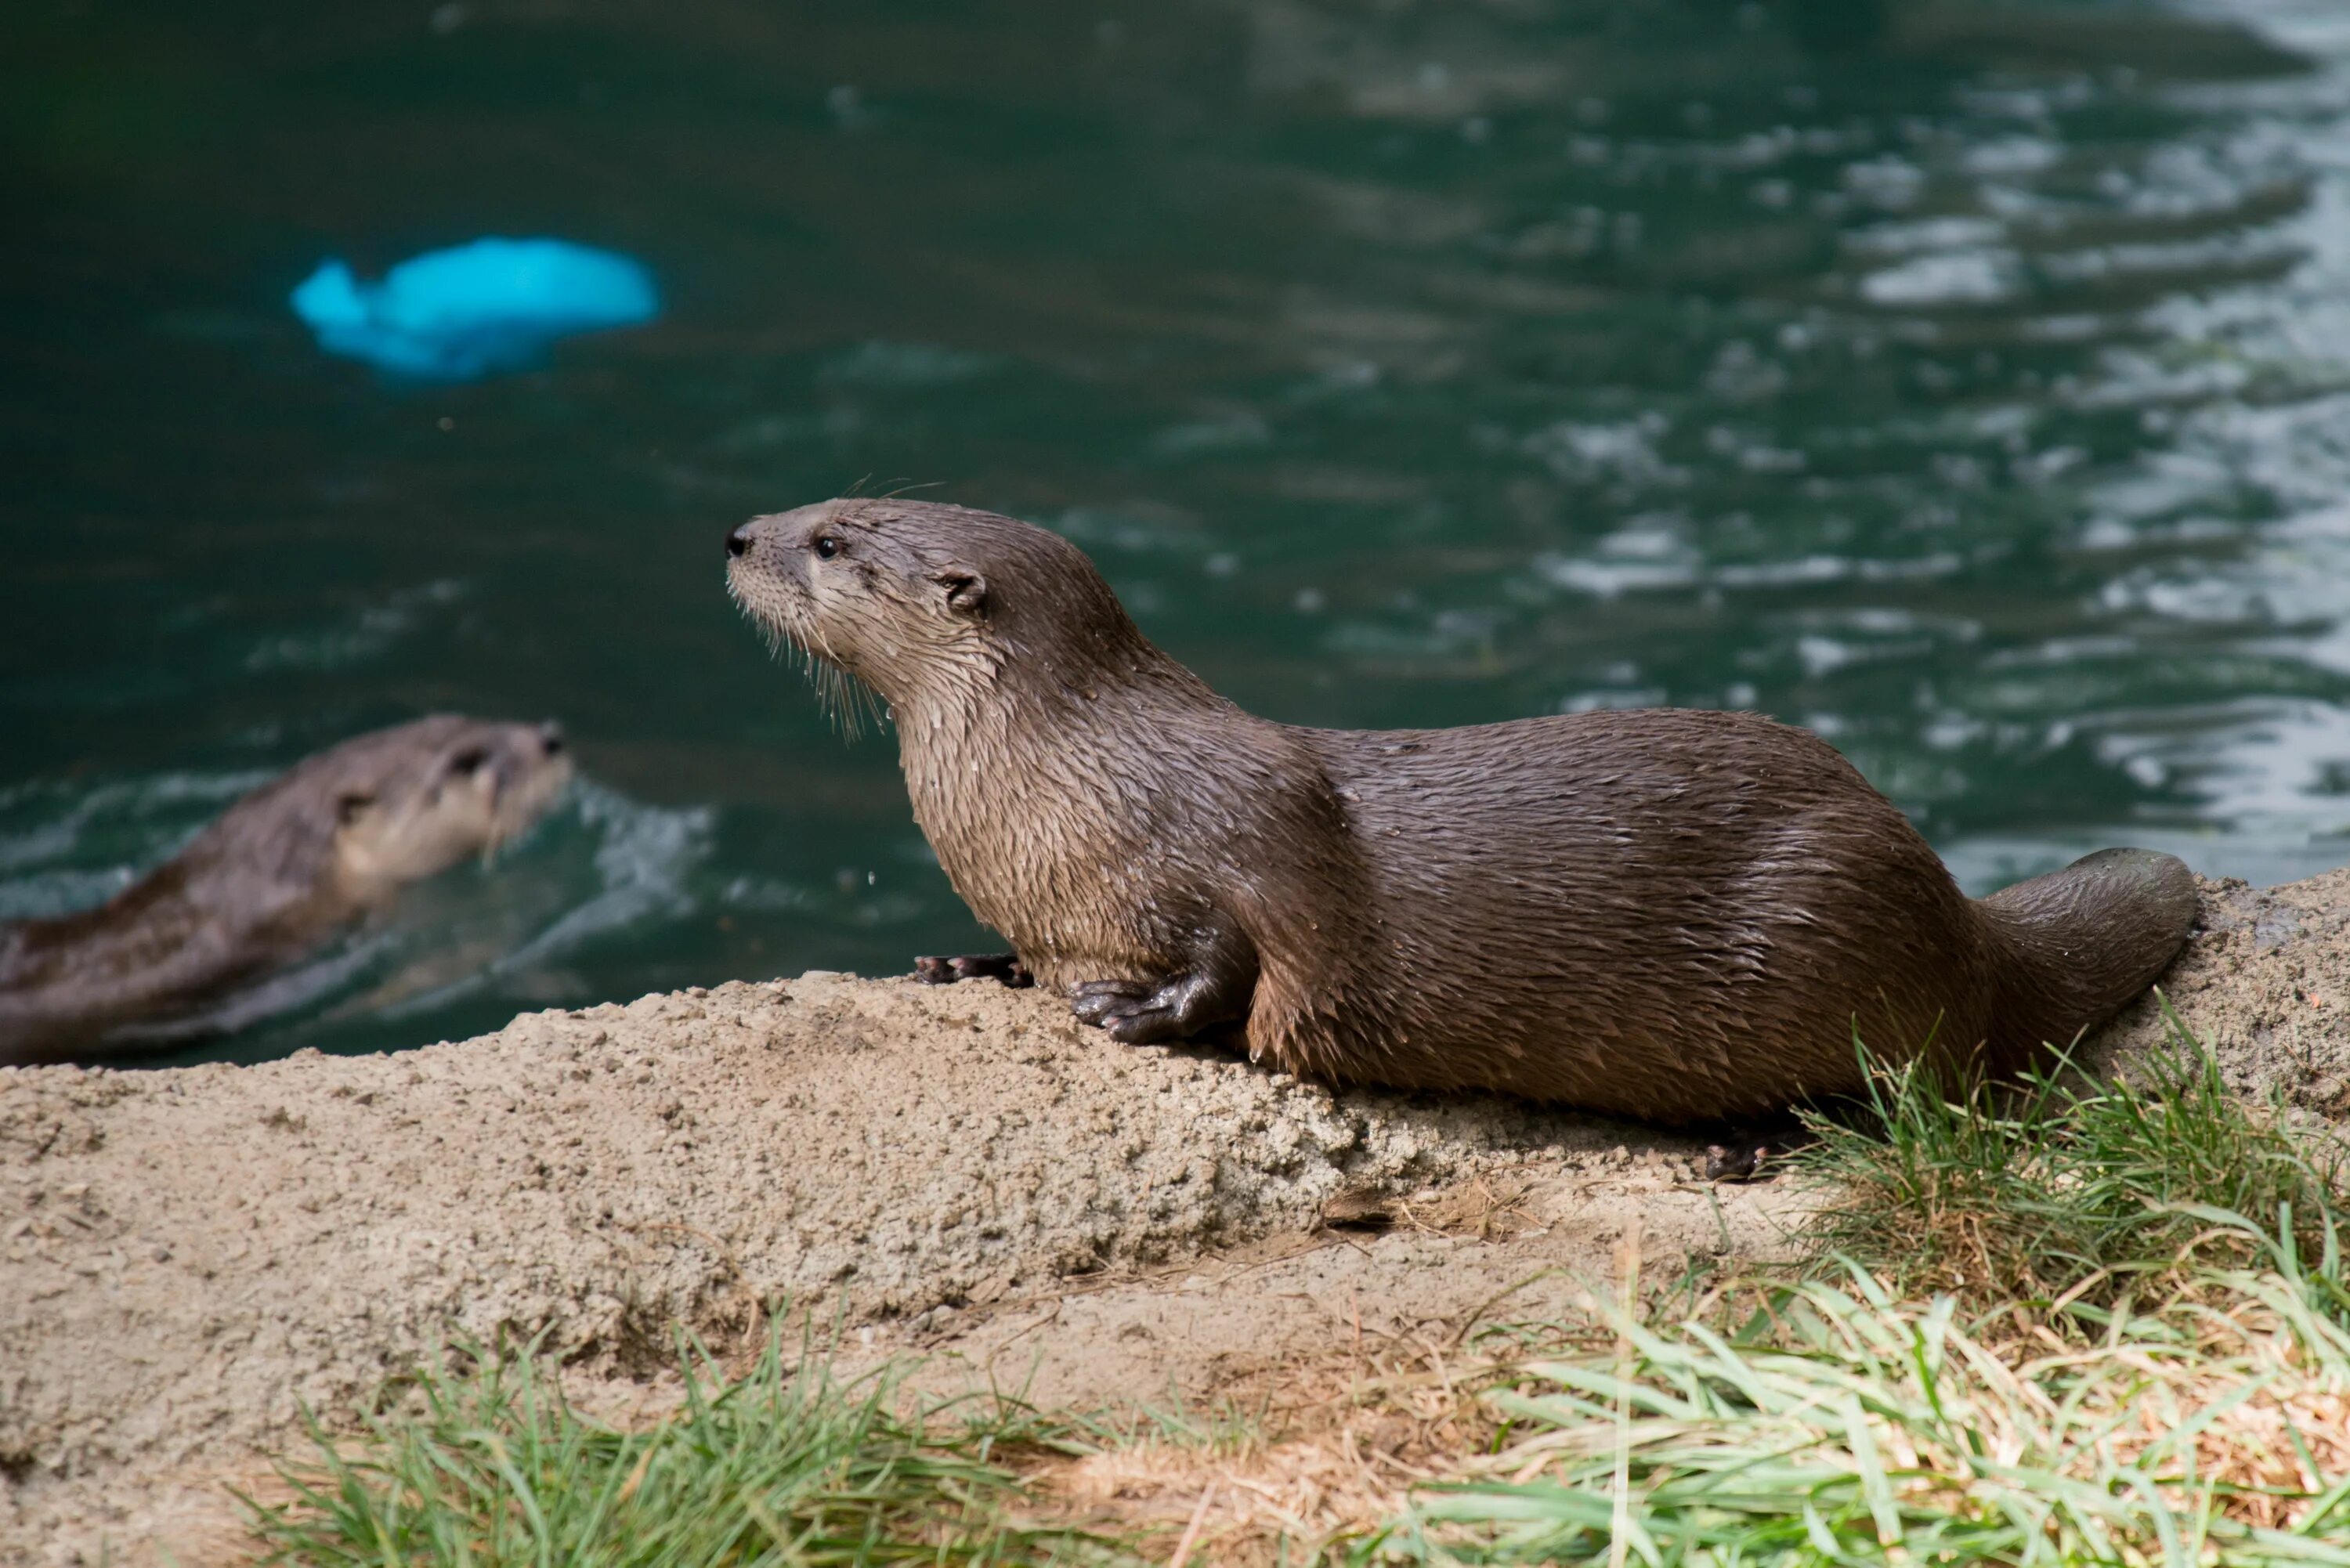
<point x="1970" y="384"/>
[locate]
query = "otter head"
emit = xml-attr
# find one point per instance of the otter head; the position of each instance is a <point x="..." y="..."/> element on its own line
<point x="926" y="603"/>
<point x="408" y="803"/>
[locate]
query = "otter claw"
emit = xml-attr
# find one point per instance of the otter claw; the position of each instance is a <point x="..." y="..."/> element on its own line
<point x="1140" y="1023"/>
<point x="1005" y="967"/>
<point x="1143" y="1023"/>
<point x="1097" y="1000"/>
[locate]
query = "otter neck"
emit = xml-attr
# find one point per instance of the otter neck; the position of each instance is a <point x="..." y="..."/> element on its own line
<point x="982" y="720"/>
<point x="1025" y="827"/>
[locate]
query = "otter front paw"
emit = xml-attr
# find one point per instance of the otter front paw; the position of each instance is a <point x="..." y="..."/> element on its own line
<point x="1132" y="1011"/>
<point x="1005" y="967"/>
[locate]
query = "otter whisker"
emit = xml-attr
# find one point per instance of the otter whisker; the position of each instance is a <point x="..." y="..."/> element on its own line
<point x="839" y="692"/>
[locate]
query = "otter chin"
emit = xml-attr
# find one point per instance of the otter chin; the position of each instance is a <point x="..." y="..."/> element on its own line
<point x="1679" y="916"/>
<point x="329" y="841"/>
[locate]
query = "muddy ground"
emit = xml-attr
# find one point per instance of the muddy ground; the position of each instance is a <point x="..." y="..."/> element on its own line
<point x="189" y="1257"/>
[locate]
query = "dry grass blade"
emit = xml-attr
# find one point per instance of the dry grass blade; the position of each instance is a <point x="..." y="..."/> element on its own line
<point x="1876" y="1430"/>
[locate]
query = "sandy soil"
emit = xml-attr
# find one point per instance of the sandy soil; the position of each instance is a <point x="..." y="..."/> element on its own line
<point x="188" y="1257"/>
<point x="2266" y="985"/>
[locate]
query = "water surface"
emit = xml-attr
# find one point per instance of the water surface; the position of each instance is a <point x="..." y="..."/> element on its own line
<point x="1970" y="384"/>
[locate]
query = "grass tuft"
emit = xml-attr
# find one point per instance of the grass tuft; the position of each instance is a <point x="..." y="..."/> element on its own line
<point x="782" y="1467"/>
<point x="2063" y="1193"/>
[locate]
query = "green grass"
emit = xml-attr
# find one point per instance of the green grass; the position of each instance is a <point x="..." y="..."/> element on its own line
<point x="1864" y="1428"/>
<point x="2063" y="1190"/>
<point x="2090" y="1323"/>
<point x="782" y="1467"/>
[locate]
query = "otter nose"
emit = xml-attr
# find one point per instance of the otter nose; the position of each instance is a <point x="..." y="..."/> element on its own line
<point x="738" y="539"/>
<point x="550" y="738"/>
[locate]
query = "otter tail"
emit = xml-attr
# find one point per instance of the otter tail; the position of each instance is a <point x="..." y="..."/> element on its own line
<point x="2083" y="942"/>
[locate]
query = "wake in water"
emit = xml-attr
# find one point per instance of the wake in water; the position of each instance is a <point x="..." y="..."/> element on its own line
<point x="475" y="943"/>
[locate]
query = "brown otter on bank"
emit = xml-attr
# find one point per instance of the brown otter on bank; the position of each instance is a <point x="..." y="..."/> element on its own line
<point x="1672" y="915"/>
<point x="273" y="878"/>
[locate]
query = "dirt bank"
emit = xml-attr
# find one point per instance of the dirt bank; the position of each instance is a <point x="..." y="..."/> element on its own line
<point x="187" y="1256"/>
<point x="191" y="1255"/>
<point x="2266" y="983"/>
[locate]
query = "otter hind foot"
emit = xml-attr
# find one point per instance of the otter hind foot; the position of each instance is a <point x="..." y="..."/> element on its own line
<point x="1754" y="1153"/>
<point x="1131" y="1012"/>
<point x="1005" y="967"/>
<point x="1136" y="1013"/>
<point x="1740" y="1160"/>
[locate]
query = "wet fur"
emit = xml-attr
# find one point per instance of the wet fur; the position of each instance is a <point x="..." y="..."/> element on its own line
<point x="1681" y="916"/>
<point x="263" y="884"/>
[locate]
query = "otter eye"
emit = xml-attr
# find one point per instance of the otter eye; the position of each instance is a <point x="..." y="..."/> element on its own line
<point x="468" y="759"/>
<point x="827" y="546"/>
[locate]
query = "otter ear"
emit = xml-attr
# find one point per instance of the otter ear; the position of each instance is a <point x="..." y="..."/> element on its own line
<point x="349" y="808"/>
<point x="966" y="591"/>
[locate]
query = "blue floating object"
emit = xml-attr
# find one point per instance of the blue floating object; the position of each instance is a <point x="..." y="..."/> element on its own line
<point x="472" y="310"/>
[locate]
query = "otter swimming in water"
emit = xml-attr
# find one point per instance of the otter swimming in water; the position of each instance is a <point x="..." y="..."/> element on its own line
<point x="283" y="870"/>
<point x="1679" y="916"/>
